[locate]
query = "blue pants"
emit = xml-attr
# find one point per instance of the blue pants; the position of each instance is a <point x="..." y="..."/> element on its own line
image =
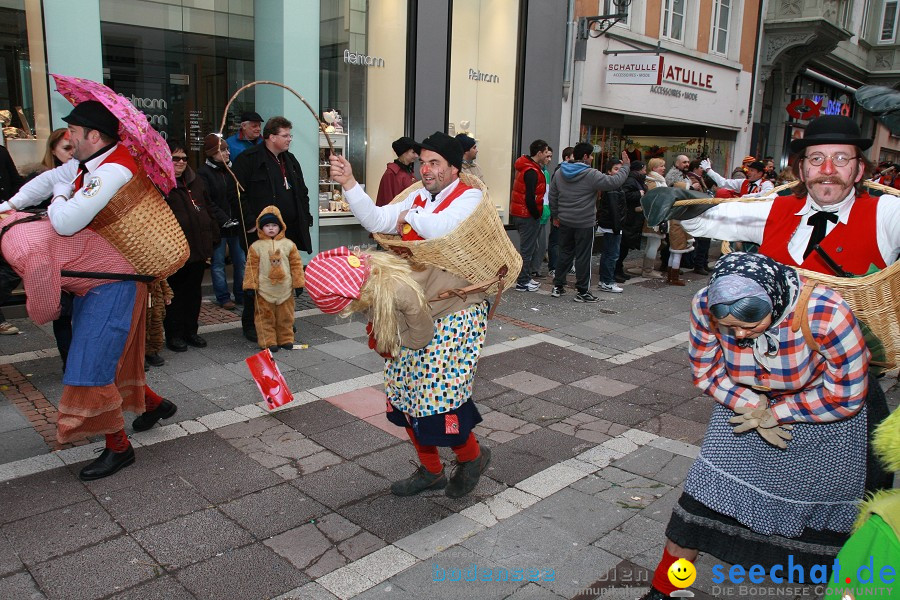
<point x="217" y="270"/>
<point x="610" y="248"/>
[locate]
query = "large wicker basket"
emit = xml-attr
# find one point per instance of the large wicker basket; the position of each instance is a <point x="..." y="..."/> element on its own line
<point x="139" y="224"/>
<point x="475" y="251"/>
<point x="875" y="300"/>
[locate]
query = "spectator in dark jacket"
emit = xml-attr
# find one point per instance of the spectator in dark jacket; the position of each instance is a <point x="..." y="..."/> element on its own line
<point x="222" y="191"/>
<point x="633" y="225"/>
<point x="190" y="202"/>
<point x="610" y="219"/>
<point x="399" y="174"/>
<point x="10" y="182"/>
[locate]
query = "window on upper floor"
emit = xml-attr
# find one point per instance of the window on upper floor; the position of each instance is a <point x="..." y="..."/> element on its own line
<point x="845" y="11"/>
<point x="673" y="19"/>
<point x="721" y="19"/>
<point x="612" y="7"/>
<point x="864" y="20"/>
<point x="888" y="32"/>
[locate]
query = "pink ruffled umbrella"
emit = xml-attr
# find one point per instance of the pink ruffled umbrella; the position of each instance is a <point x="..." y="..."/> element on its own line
<point x="144" y="142"/>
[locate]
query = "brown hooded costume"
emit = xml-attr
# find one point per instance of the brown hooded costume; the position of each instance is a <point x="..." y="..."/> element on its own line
<point x="274" y="269"/>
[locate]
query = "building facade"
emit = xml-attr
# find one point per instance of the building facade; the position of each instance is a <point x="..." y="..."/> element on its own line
<point x="814" y="56"/>
<point x="380" y="69"/>
<point x="673" y="77"/>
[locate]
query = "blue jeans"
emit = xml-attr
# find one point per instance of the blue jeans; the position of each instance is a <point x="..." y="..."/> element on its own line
<point x="610" y="249"/>
<point x="217" y="270"/>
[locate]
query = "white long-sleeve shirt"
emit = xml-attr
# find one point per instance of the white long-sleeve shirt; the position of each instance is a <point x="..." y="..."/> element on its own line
<point x="764" y="187"/>
<point x="427" y="223"/>
<point x="746" y="221"/>
<point x="68" y="217"/>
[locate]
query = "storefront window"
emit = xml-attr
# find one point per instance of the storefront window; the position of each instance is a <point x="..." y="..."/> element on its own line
<point x="15" y="69"/>
<point x="181" y="64"/>
<point x="483" y="86"/>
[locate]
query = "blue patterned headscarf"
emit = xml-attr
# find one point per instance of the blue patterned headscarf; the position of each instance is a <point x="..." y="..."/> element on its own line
<point x="780" y="284"/>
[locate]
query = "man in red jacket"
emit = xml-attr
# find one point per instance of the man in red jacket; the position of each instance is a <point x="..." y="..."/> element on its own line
<point x="526" y="205"/>
<point x="399" y="174"/>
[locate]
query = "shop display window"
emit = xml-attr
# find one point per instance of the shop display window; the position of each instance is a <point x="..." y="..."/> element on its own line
<point x="15" y="71"/>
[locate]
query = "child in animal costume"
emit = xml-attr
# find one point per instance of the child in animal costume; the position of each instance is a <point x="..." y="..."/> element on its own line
<point x="160" y="296"/>
<point x="432" y="351"/>
<point x="266" y="275"/>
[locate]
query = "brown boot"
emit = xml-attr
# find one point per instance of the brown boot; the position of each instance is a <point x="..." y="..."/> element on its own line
<point x="674" y="278"/>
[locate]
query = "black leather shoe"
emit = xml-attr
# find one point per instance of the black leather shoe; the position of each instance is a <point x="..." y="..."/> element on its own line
<point x="176" y="344"/>
<point x="147" y="420"/>
<point x="108" y="463"/>
<point x="701" y="271"/>
<point x="286" y="346"/>
<point x="195" y="340"/>
<point x="155" y="360"/>
<point x="273" y="348"/>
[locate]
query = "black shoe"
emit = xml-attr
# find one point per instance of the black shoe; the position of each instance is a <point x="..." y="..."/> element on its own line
<point x="108" y="463"/>
<point x="467" y="474"/>
<point x="286" y="346"/>
<point x="250" y="334"/>
<point x="701" y="271"/>
<point x="273" y="348"/>
<point x="176" y="344"/>
<point x="155" y="360"/>
<point x="419" y="481"/>
<point x="195" y="340"/>
<point x="147" y="420"/>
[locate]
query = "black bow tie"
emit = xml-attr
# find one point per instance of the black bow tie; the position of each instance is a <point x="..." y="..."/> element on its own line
<point x="819" y="221"/>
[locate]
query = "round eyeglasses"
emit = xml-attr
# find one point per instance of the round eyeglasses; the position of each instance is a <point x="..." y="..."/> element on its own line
<point x="838" y="160"/>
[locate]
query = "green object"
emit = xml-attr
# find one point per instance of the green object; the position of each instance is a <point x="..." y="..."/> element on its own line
<point x="873" y="546"/>
<point x="545" y="216"/>
<point x="658" y="205"/>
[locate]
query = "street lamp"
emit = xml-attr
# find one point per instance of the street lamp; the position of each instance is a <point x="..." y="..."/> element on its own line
<point x="596" y="26"/>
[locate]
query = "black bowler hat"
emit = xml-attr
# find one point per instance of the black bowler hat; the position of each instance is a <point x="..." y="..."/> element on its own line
<point x="93" y="115"/>
<point x="831" y="129"/>
<point x="465" y="141"/>
<point x="758" y="165"/>
<point x="446" y="146"/>
<point x="251" y="116"/>
<point x="403" y="144"/>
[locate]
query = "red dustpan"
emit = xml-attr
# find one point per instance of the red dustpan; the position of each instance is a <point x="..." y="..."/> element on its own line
<point x="269" y="379"/>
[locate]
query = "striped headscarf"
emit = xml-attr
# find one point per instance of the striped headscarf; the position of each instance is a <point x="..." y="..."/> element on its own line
<point x="334" y="278"/>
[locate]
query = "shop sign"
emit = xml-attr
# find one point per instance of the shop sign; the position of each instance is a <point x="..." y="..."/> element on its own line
<point x="363" y="60"/>
<point x="803" y="108"/>
<point x="628" y="69"/>
<point x="477" y="75"/>
<point x="673" y="92"/>
<point x="832" y="107"/>
<point x="692" y="77"/>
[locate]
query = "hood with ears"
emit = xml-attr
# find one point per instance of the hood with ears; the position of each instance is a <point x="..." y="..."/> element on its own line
<point x="270" y="210"/>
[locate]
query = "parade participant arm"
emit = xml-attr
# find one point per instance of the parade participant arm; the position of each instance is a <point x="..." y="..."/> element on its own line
<point x="251" y="270"/>
<point x="888" y="228"/>
<point x="842" y="390"/>
<point x="659" y="205"/>
<point x="296" y="262"/>
<point x="70" y="215"/>
<point x="43" y="186"/>
<point x="384" y="219"/>
<point x="708" y="363"/>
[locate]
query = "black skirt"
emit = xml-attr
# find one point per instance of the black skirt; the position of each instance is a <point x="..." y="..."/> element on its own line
<point x="446" y="429"/>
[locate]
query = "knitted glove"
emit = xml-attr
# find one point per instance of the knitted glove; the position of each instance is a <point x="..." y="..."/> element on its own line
<point x="764" y="421"/>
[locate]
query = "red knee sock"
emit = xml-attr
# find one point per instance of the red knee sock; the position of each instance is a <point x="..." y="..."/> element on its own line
<point x="428" y="455"/>
<point x="118" y="441"/>
<point x="151" y="399"/>
<point x="468" y="451"/>
<point x="661" y="575"/>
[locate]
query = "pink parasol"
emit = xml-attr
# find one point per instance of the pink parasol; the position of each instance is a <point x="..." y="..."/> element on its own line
<point x="144" y="142"/>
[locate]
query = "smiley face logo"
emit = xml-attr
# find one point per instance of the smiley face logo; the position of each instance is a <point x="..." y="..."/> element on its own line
<point x="682" y="573"/>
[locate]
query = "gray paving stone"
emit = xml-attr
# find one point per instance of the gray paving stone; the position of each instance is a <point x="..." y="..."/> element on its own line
<point x="45" y="491"/>
<point x="500" y="400"/>
<point x="335" y="370"/>
<point x="635" y="536"/>
<point x="303" y="358"/>
<point x="485" y="388"/>
<point x="268" y="441"/>
<point x="273" y="510"/>
<point x="527" y="383"/>
<point x="624" y="413"/>
<point x="182" y="362"/>
<point x="341" y="484"/>
<point x="603" y="385"/>
<point x="675" y="428"/>
<point x="192" y="538"/>
<point x="344" y="348"/>
<point x="314" y="417"/>
<point x="250" y="573"/>
<point x="85" y="574"/>
<point x="369" y="361"/>
<point x="658" y="465"/>
<point x="381" y="515"/>
<point x="537" y="411"/>
<point x="493" y="367"/>
<point x="9" y="562"/>
<point x="326" y="544"/>
<point x="511" y="464"/>
<point x="44" y="536"/>
<point x="149" y="465"/>
<point x="10" y="420"/>
<point x="579" y="569"/>
<point x="298" y="380"/>
<point x="429" y="541"/>
<point x="21" y="443"/>
<point x="20" y="586"/>
<point x="533" y="591"/>
<point x="234" y="394"/>
<point x="626" y="490"/>
<point x="585" y="518"/>
<point x="661" y="509"/>
<point x="162" y="588"/>
<point x="675" y="386"/>
<point x="551" y="445"/>
<point x="354" y="439"/>
<point x="151" y="501"/>
<point x="391" y="463"/>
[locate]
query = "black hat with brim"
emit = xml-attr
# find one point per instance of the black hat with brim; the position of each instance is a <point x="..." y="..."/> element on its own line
<point x="401" y="145"/>
<point x="831" y="129"/>
<point x="758" y="165"/>
<point x="93" y="115"/>
<point x="446" y="146"/>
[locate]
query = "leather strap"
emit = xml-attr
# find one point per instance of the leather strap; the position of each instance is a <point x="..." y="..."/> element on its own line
<point x="801" y="320"/>
<point x="463" y="293"/>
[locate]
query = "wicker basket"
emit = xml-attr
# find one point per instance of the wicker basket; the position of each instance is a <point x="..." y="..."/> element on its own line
<point x="139" y="224"/>
<point x="475" y="251"/>
<point x="875" y="300"/>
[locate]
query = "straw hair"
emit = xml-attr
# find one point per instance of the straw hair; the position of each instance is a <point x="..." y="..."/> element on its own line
<point x="378" y="298"/>
<point x="474" y="251"/>
<point x="139" y="224"/>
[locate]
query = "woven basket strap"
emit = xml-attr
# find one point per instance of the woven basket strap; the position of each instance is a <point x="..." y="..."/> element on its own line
<point x="478" y="287"/>
<point x="801" y="320"/>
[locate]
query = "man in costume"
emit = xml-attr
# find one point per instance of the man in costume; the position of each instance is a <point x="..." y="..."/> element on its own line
<point x="429" y="381"/>
<point x="104" y="371"/>
<point x="754" y="184"/>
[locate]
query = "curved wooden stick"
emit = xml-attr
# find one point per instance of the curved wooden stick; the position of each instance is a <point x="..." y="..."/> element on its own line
<point x="691" y="201"/>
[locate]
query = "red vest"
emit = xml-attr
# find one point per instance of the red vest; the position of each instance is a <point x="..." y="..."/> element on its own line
<point x="853" y="246"/>
<point x="409" y="234"/>
<point x="517" y="206"/>
<point x="745" y="187"/>
<point x="119" y="156"/>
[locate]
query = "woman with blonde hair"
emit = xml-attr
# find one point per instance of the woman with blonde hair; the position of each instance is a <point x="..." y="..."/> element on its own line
<point x="656" y="177"/>
<point x="59" y="149"/>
